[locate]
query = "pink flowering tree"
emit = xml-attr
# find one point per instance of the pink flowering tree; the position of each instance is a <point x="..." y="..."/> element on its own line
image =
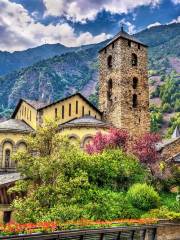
<point x="146" y="151"/>
<point x="115" y="138"/>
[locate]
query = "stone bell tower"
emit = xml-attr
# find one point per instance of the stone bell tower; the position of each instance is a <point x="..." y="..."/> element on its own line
<point x="123" y="84"/>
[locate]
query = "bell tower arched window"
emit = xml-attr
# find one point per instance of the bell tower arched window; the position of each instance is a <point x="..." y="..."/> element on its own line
<point x="135" y="83"/>
<point x="109" y="90"/>
<point x="134" y="101"/>
<point x="109" y="61"/>
<point x="134" y="59"/>
<point x="7" y="158"/>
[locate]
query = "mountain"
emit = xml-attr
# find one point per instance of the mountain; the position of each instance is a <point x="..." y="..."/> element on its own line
<point x="76" y="69"/>
<point x="20" y="59"/>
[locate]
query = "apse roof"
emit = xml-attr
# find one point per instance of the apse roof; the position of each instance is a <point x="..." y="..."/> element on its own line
<point x="15" y="125"/>
<point x="85" y="121"/>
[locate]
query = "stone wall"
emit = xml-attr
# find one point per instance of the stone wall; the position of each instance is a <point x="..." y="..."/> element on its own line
<point x="168" y="232"/>
<point x="170" y="149"/>
<point x="119" y="111"/>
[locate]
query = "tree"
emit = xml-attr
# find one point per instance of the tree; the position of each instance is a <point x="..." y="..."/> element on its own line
<point x="115" y="138"/>
<point x="62" y="182"/>
<point x="145" y="149"/>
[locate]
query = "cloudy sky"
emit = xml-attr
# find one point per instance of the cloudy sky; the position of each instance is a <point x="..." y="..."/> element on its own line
<point x="30" y="23"/>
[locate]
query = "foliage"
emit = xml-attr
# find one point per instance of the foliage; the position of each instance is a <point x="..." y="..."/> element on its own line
<point x="156" y="118"/>
<point x="166" y="108"/>
<point x="145" y="148"/>
<point x="170" y="177"/>
<point x="143" y="196"/>
<point x="63" y="181"/>
<point x="162" y="213"/>
<point x="170" y="93"/>
<point x="116" y="138"/>
<point x="174" y="122"/>
<point x="170" y="201"/>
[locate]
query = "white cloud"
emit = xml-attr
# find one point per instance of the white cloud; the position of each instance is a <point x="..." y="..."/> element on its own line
<point x="154" y="25"/>
<point x="176" y="1"/>
<point x="19" y="31"/>
<point x="83" y="10"/>
<point x="130" y="27"/>
<point x="177" y="20"/>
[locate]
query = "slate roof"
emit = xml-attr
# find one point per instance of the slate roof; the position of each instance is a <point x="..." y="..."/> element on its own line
<point x="125" y="35"/>
<point x="175" y="158"/>
<point x="15" y="125"/>
<point x="85" y="121"/>
<point x="7" y="178"/>
<point x="36" y="104"/>
<point x="165" y="143"/>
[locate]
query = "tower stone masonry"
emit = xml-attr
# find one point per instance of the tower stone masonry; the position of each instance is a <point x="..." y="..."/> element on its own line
<point x="123" y="84"/>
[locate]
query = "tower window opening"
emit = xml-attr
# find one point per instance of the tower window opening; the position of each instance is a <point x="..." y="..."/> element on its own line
<point x="89" y="112"/>
<point x="105" y="51"/>
<point x="134" y="103"/>
<point x="109" y="91"/>
<point x="7" y="158"/>
<point x="69" y="109"/>
<point x="129" y="43"/>
<point x="112" y="45"/>
<point x="139" y="46"/>
<point x="109" y="61"/>
<point x="134" y="59"/>
<point x="135" y="83"/>
<point x="63" y="112"/>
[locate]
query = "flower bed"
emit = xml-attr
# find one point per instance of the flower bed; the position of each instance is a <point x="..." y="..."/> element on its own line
<point x="45" y="227"/>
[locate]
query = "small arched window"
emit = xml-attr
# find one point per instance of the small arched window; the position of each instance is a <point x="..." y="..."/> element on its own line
<point x="7" y="158"/>
<point x="134" y="59"/>
<point x="135" y="82"/>
<point x="134" y="101"/>
<point x="109" y="61"/>
<point x="109" y="91"/>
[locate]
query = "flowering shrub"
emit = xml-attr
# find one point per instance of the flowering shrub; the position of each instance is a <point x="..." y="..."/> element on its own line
<point x="27" y="228"/>
<point x="116" y="138"/>
<point x="145" y="148"/>
<point x="45" y="227"/>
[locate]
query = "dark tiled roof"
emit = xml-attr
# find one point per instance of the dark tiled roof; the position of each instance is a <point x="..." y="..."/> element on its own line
<point x="14" y="125"/>
<point x="85" y="121"/>
<point x="165" y="143"/>
<point x="7" y="178"/>
<point x="175" y="158"/>
<point x="35" y="104"/>
<point x="125" y="35"/>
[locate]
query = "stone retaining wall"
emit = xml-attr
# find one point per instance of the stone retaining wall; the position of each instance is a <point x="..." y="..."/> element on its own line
<point x="168" y="232"/>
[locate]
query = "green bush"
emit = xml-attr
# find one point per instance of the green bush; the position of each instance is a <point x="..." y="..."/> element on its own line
<point x="167" y="108"/>
<point x="162" y="213"/>
<point x="143" y="196"/>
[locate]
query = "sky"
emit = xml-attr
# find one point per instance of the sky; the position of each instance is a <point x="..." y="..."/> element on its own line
<point x="29" y="23"/>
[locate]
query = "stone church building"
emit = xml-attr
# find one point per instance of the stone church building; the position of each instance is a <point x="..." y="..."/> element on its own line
<point x="123" y="103"/>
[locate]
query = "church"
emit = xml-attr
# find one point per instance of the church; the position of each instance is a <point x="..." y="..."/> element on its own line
<point x="123" y="103"/>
